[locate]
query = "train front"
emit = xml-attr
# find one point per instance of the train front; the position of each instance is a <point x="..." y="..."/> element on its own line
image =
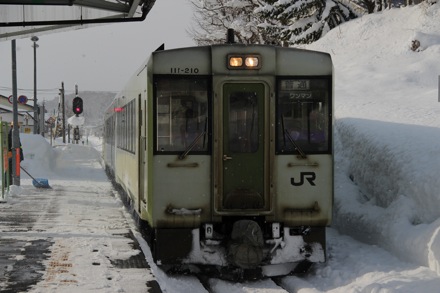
<point x="242" y="157"/>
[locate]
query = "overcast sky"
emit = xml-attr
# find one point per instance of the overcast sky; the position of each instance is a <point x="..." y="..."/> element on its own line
<point x="101" y="58"/>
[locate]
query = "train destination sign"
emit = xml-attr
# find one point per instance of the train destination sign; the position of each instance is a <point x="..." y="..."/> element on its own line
<point x="295" y="84"/>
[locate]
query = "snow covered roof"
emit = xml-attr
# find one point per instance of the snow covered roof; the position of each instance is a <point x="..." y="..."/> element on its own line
<point x="5" y="105"/>
<point x="24" y="18"/>
<point x="25" y="111"/>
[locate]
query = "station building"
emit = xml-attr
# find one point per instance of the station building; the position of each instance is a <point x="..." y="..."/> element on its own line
<point x="25" y="114"/>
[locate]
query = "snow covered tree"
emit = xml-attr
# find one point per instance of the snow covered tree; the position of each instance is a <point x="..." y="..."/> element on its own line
<point x="214" y="17"/>
<point x="267" y="21"/>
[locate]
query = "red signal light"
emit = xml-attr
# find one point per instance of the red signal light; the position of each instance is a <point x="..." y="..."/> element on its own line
<point x="118" y="109"/>
<point x="77" y="105"/>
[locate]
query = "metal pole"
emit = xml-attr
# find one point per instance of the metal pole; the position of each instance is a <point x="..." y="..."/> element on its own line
<point x="42" y="124"/>
<point x="64" y="112"/>
<point x="15" y="135"/>
<point x="51" y="134"/>
<point x="36" y="118"/>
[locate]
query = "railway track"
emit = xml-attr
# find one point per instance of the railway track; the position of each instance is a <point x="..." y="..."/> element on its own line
<point x="214" y="285"/>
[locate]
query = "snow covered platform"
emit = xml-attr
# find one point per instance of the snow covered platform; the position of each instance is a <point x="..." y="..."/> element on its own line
<point x="75" y="237"/>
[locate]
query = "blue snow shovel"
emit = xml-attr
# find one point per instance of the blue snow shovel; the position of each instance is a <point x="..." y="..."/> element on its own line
<point x="37" y="182"/>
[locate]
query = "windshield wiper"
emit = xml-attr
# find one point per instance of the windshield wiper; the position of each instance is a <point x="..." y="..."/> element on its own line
<point x="191" y="146"/>
<point x="194" y="142"/>
<point x="295" y="145"/>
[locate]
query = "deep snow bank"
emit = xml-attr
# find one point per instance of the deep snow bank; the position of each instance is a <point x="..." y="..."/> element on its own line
<point x="53" y="162"/>
<point x="39" y="156"/>
<point x="386" y="190"/>
<point x="387" y="115"/>
<point x="393" y="161"/>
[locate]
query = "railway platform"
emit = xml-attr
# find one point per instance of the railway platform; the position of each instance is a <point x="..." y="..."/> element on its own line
<point x="74" y="237"/>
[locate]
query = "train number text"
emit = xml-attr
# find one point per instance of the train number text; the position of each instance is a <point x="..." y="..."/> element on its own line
<point x="186" y="70"/>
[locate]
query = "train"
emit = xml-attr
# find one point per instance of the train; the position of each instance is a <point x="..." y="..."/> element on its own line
<point x="225" y="154"/>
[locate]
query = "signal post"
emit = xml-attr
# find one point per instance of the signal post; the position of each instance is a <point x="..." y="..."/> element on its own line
<point x="77" y="107"/>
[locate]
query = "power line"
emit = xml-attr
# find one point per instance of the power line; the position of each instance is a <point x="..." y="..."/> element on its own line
<point x="54" y="91"/>
<point x="5" y="88"/>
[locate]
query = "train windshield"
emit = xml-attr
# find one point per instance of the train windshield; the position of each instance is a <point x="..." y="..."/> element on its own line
<point x="303" y="116"/>
<point x="181" y="114"/>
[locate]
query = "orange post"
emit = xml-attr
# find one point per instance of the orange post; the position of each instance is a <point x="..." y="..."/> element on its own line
<point x="17" y="162"/>
<point x="5" y="159"/>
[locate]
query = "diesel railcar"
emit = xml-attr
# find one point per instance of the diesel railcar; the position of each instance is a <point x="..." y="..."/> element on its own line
<point x="225" y="154"/>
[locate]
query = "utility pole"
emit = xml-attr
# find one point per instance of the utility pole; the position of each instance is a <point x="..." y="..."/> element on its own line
<point x="42" y="124"/>
<point x="36" y="118"/>
<point x="64" y="112"/>
<point x="15" y="168"/>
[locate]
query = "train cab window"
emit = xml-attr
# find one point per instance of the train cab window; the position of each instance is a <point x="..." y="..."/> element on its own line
<point x="181" y="114"/>
<point x="303" y="117"/>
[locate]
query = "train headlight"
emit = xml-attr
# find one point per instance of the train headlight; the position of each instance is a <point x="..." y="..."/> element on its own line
<point x="251" y="61"/>
<point x="235" y="61"/>
<point x="247" y="61"/>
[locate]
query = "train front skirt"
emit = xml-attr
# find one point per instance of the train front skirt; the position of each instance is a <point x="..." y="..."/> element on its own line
<point x="268" y="257"/>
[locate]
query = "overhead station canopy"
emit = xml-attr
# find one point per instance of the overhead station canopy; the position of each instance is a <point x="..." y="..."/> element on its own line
<point x="24" y="18"/>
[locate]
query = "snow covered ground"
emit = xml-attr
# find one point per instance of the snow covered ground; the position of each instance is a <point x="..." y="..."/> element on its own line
<point x="80" y="219"/>
<point x="387" y="143"/>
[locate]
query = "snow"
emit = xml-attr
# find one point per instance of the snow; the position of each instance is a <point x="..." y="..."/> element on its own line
<point x="387" y="121"/>
<point x="385" y="236"/>
<point x="76" y="120"/>
<point x="84" y="220"/>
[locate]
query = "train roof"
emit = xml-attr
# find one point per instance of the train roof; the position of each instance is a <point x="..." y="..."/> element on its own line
<point x="284" y="60"/>
<point x="162" y="49"/>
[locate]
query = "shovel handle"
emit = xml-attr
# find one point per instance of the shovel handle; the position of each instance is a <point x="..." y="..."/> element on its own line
<point x="27" y="173"/>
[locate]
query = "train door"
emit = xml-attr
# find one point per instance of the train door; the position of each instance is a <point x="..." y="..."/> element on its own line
<point x="243" y="146"/>
<point x="142" y="153"/>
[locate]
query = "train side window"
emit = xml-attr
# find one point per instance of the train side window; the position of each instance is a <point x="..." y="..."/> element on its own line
<point x="181" y="114"/>
<point x="303" y="115"/>
<point x="126" y="127"/>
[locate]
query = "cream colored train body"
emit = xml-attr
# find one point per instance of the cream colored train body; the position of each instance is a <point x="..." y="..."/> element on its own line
<point x="225" y="154"/>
